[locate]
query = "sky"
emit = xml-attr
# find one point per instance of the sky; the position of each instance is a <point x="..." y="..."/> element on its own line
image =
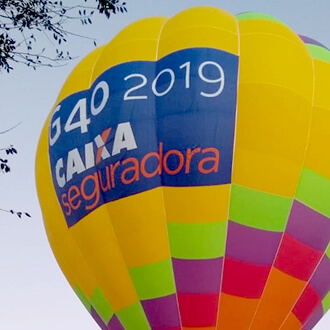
<point x="34" y="293"/>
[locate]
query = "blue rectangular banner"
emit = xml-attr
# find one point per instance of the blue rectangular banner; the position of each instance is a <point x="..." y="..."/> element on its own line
<point x="143" y="125"/>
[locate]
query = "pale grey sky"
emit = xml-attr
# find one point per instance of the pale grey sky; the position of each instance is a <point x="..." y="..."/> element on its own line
<point x="34" y="293"/>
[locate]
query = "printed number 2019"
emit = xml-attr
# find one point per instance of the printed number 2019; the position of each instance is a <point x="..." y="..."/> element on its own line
<point x="142" y="81"/>
<point x="78" y="115"/>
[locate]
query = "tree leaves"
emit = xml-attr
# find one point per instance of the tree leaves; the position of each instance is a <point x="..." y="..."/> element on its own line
<point x="11" y="150"/>
<point x="19" y="214"/>
<point x="7" y="47"/>
<point x="4" y="167"/>
<point x="44" y="18"/>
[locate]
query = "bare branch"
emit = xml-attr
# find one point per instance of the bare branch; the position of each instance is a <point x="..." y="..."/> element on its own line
<point x="10" y="129"/>
<point x="19" y="214"/>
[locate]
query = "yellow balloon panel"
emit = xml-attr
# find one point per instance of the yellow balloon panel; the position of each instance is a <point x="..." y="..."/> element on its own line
<point x="137" y="42"/>
<point x="318" y="157"/>
<point x="264" y="61"/>
<point x="140" y="225"/>
<point x="271" y="138"/>
<point x="64" y="247"/>
<point x="268" y="26"/>
<point x="99" y="245"/>
<point x="274" y="108"/>
<point x="197" y="204"/>
<point x="200" y="27"/>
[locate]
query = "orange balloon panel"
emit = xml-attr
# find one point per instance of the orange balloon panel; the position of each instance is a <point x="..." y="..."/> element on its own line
<point x="183" y="175"/>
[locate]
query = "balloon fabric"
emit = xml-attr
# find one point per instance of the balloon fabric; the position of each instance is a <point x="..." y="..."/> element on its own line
<point x="183" y="175"/>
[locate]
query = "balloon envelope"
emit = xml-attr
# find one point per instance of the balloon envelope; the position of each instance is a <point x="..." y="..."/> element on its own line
<point x="183" y="175"/>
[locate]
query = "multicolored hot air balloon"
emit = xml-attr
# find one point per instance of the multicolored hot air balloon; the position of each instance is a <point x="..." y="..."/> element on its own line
<point x="183" y="175"/>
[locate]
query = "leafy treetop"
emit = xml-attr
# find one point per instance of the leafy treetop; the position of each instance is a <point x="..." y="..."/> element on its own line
<point x="22" y="22"/>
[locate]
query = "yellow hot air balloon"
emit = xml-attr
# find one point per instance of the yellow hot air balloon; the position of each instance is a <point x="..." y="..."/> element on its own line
<point x="183" y="175"/>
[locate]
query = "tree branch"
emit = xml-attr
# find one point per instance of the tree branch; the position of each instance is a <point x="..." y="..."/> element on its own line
<point x="10" y="129"/>
<point x="48" y="18"/>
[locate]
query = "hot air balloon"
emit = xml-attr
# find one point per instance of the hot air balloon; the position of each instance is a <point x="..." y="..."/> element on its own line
<point x="183" y="175"/>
